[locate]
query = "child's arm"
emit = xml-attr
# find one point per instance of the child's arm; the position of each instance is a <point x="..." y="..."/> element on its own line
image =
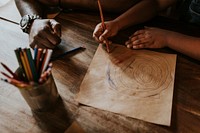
<point x="187" y="45"/>
<point x="138" y="13"/>
<point x="141" y="12"/>
<point x="159" y="38"/>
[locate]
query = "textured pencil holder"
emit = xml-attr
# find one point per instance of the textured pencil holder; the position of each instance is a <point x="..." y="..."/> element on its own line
<point x="41" y="97"/>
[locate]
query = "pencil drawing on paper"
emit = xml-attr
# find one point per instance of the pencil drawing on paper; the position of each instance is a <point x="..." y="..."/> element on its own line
<point x="135" y="83"/>
<point x="141" y="76"/>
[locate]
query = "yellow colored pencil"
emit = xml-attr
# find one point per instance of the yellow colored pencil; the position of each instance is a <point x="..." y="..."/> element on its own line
<point x="25" y="67"/>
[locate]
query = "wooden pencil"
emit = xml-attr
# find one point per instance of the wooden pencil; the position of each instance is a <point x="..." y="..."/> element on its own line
<point x="27" y="64"/>
<point x="17" y="83"/>
<point x="101" y="15"/>
<point x="102" y="23"/>
<point x="10" y="71"/>
<point x="6" y="75"/>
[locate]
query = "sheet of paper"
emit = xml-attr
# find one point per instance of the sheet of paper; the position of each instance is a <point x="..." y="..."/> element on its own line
<point x="134" y="83"/>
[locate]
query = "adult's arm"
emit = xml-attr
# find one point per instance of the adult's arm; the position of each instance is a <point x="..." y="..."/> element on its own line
<point x="30" y="7"/>
<point x="34" y="6"/>
<point x="115" y="6"/>
<point x="45" y="33"/>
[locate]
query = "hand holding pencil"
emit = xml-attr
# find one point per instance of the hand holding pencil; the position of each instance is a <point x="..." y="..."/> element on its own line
<point x="104" y="30"/>
<point x="103" y="24"/>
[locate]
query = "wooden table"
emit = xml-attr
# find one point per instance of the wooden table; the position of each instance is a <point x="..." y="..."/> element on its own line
<point x="16" y="116"/>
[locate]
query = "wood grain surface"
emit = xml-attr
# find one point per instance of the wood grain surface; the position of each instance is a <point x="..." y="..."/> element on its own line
<point x="69" y="71"/>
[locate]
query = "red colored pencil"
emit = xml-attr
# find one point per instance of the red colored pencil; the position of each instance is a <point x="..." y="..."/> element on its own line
<point x="10" y="71"/>
<point x="6" y="75"/>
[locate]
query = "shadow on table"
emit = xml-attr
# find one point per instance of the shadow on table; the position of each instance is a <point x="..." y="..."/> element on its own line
<point x="56" y="120"/>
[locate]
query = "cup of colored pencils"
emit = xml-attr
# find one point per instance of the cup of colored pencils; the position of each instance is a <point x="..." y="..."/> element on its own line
<point x="34" y="78"/>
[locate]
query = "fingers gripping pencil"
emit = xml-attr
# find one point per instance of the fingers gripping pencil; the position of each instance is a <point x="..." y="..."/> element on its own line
<point x="103" y="24"/>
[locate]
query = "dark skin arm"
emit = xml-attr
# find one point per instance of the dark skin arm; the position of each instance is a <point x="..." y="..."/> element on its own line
<point x="151" y="37"/>
<point x="35" y="6"/>
<point x="30" y="7"/>
<point x="108" y="5"/>
<point x="46" y="33"/>
<point x="142" y="11"/>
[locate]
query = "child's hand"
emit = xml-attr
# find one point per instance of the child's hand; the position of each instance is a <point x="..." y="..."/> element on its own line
<point x="102" y="35"/>
<point x="148" y="37"/>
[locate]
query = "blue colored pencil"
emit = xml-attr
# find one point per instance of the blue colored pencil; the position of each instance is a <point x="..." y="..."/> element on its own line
<point x="66" y="53"/>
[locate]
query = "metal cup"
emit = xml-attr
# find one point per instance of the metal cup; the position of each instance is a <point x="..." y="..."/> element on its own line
<point x="41" y="97"/>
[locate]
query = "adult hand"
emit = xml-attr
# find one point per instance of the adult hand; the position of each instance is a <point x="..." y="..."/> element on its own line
<point x="45" y="33"/>
<point x="101" y="35"/>
<point x="148" y="37"/>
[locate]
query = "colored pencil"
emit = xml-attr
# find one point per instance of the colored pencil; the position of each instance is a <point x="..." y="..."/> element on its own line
<point x="35" y="54"/>
<point x="101" y="15"/>
<point x="9" y="20"/>
<point x="6" y="75"/>
<point x="10" y="71"/>
<point x="66" y="53"/>
<point x="32" y="65"/>
<point x="16" y="83"/>
<point x="36" y="67"/>
<point x="42" y="57"/>
<point x="44" y="76"/>
<point x="17" y="53"/>
<point x="38" y="59"/>
<point x="46" y="60"/>
<point x="103" y="24"/>
<point x="27" y="64"/>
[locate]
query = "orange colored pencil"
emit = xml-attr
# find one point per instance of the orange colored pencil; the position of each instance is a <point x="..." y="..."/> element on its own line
<point x="102" y="23"/>
<point x="25" y="66"/>
<point x="15" y="82"/>
<point x="101" y="15"/>
<point x="38" y="59"/>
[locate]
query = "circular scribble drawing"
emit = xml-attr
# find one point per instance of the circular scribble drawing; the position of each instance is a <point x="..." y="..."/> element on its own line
<point x="140" y="76"/>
